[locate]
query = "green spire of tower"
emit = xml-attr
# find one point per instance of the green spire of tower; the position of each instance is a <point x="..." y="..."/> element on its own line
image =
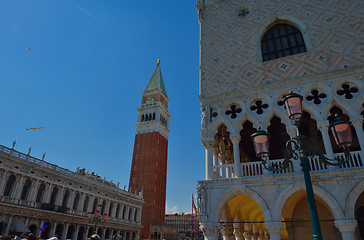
<point x="156" y="81"/>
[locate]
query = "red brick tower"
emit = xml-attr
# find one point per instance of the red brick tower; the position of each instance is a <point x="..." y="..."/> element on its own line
<point x="149" y="165"/>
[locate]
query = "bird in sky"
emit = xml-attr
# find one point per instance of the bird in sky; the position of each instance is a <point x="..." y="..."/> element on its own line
<point x="29" y="49"/>
<point x="34" y="128"/>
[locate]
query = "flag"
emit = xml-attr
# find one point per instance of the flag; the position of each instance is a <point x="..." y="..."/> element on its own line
<point x="43" y="227"/>
<point x="193" y="205"/>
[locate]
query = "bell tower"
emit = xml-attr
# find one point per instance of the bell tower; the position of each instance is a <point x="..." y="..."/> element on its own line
<point x="149" y="164"/>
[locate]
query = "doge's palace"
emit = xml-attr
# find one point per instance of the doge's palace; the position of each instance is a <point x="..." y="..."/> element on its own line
<point x="33" y="190"/>
<point x="252" y="53"/>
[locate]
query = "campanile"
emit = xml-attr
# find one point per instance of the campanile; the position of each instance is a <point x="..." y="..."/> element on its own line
<point x="149" y="164"/>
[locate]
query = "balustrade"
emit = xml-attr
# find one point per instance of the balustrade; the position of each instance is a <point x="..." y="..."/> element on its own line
<point x="251" y="169"/>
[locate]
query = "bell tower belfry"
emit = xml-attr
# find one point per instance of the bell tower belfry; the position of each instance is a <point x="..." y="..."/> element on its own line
<point x="149" y="164"/>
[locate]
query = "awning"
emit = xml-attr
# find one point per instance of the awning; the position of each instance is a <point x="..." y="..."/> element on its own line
<point x="18" y="226"/>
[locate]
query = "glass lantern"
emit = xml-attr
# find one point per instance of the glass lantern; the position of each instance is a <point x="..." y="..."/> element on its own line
<point x="261" y="143"/>
<point x="293" y="103"/>
<point x="341" y="131"/>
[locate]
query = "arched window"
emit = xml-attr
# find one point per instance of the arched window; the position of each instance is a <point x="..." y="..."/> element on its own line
<point x="117" y="211"/>
<point x="9" y="187"/>
<point x="54" y="196"/>
<point x="85" y="205"/>
<point x="282" y="40"/>
<point x="75" y="203"/>
<point x="65" y="198"/>
<point x="26" y="189"/>
<point x="110" y="209"/>
<point x="40" y="193"/>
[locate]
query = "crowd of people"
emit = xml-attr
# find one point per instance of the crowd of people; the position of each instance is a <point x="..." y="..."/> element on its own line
<point x="31" y="236"/>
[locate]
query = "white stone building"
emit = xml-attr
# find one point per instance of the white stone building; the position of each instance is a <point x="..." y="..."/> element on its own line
<point x="252" y="53"/>
<point x="33" y="191"/>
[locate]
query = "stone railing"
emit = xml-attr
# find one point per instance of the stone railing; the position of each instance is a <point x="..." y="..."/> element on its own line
<point x="256" y="168"/>
<point x="87" y="179"/>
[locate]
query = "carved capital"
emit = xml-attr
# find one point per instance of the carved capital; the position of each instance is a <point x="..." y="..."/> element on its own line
<point x="357" y="121"/>
<point x="323" y="125"/>
<point x="238" y="233"/>
<point x="227" y="231"/>
<point x="235" y="138"/>
<point x="273" y="227"/>
<point x="207" y="142"/>
<point x="210" y="229"/>
<point x="346" y="225"/>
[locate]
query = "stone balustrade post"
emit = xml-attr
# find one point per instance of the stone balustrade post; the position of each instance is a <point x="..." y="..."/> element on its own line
<point x="237" y="165"/>
<point x="347" y="228"/>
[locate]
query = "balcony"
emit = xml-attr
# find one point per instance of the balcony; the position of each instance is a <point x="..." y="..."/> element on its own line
<point x="251" y="169"/>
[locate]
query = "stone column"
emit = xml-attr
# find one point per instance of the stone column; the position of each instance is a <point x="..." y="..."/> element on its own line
<point x="33" y="190"/>
<point x="70" y="199"/>
<point x="114" y="207"/>
<point x="133" y="214"/>
<point x="209" y="161"/>
<point x="18" y="188"/>
<point x="60" y="196"/>
<point x="65" y="232"/>
<point x="215" y="161"/>
<point x="81" y="202"/>
<point x="211" y="231"/>
<point x="53" y="231"/>
<point x="239" y="234"/>
<point x="127" y="212"/>
<point x="91" y="204"/>
<point x="49" y="192"/>
<point x="8" y="225"/>
<point x="324" y="129"/>
<point x="347" y="228"/>
<point x="357" y="124"/>
<point x="124" y="235"/>
<point x="247" y="233"/>
<point x="107" y="208"/>
<point x="3" y="182"/>
<point x="75" y="232"/>
<point x="237" y="165"/>
<point x="139" y="219"/>
<point x="274" y="229"/>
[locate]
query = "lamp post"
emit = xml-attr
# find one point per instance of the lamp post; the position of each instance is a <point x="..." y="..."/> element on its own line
<point x="97" y="217"/>
<point x="300" y="148"/>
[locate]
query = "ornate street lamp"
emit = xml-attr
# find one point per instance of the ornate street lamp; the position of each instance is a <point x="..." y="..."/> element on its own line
<point x="300" y="148"/>
<point x="96" y="217"/>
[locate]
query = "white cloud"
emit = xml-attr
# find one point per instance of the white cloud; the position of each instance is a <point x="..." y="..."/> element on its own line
<point x="171" y="210"/>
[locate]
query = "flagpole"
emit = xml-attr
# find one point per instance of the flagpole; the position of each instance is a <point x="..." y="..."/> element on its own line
<point x="192" y="218"/>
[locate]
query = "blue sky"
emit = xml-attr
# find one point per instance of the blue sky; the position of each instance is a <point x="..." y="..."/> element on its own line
<point x="83" y="83"/>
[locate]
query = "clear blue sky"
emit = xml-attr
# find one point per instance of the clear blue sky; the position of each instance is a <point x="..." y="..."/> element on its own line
<point x="83" y="83"/>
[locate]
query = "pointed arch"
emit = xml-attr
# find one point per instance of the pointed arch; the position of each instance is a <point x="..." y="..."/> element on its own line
<point x="230" y="193"/>
<point x="346" y="107"/>
<point x="351" y="200"/>
<point x="214" y="128"/>
<point x="292" y="189"/>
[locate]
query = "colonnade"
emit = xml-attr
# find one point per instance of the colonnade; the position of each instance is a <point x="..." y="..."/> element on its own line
<point x="12" y="187"/>
<point x="211" y="151"/>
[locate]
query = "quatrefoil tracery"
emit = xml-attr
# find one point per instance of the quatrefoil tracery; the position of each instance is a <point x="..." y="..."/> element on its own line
<point x="347" y="90"/>
<point x="233" y="111"/>
<point x="213" y="114"/>
<point x="316" y="95"/>
<point x="259" y="106"/>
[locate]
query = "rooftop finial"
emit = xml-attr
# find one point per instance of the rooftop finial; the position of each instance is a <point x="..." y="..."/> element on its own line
<point x="159" y="61"/>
